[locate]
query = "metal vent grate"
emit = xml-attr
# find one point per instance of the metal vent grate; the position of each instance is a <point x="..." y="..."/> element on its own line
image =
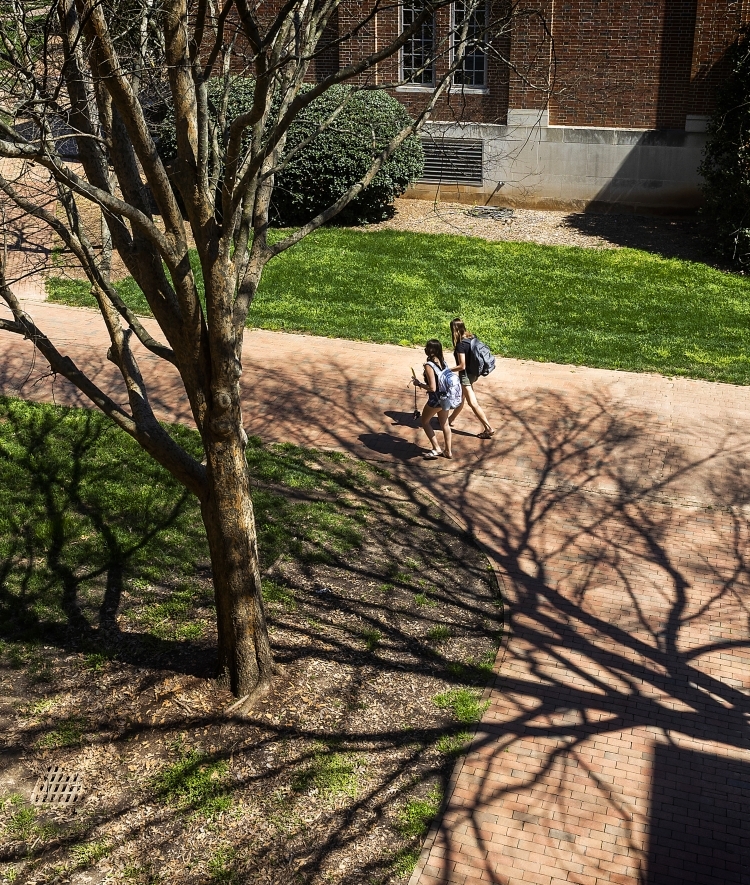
<point x="57" y="787"/>
<point x="452" y="160"/>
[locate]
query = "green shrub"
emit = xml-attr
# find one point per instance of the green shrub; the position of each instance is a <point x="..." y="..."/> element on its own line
<point x="316" y="176"/>
<point x="240" y="100"/>
<point x="342" y="154"/>
<point x="726" y="160"/>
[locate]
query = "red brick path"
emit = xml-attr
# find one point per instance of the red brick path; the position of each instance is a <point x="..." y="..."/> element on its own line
<point x="616" y="747"/>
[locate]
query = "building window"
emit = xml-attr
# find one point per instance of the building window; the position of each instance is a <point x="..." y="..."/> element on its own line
<point x="417" y="55"/>
<point x="472" y="72"/>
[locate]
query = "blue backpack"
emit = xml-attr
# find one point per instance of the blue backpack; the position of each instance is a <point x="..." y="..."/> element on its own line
<point x="484" y="361"/>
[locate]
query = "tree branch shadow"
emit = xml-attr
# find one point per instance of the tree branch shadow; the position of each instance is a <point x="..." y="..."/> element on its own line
<point x="626" y="588"/>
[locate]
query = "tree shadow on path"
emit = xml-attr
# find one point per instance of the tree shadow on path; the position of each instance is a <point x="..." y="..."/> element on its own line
<point x="620" y="703"/>
<point x="621" y="688"/>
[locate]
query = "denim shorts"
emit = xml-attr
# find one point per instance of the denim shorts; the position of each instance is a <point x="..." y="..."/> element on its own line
<point x="433" y="400"/>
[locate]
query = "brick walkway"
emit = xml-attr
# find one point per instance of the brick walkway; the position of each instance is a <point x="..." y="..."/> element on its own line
<point x="616" y="747"/>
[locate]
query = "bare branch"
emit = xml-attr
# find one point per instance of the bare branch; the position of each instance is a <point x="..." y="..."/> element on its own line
<point x="219" y="39"/>
<point x="359" y="186"/>
<point x="11" y="326"/>
<point x="106" y="64"/>
<point x="149" y="434"/>
<point x="85" y="258"/>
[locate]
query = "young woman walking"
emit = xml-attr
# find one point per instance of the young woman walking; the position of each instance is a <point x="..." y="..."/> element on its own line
<point x="462" y="354"/>
<point x="432" y="368"/>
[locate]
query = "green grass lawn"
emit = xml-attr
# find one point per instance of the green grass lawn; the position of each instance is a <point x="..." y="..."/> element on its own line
<point x="84" y="511"/>
<point x="108" y="643"/>
<point x="619" y="309"/>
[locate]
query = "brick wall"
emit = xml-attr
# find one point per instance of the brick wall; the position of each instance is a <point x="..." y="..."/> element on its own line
<point x="717" y="21"/>
<point x="530" y="56"/>
<point x="638" y="64"/>
<point x="611" y="63"/>
<point x="457" y="104"/>
<point x="643" y="64"/>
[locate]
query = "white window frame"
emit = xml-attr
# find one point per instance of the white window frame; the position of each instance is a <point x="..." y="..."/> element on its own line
<point x="465" y="87"/>
<point x="411" y="84"/>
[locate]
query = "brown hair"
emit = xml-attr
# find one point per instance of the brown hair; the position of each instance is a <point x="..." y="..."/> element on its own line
<point x="458" y="330"/>
<point x="435" y="348"/>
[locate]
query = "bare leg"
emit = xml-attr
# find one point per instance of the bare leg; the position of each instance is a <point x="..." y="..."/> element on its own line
<point x="457" y="410"/>
<point x="428" y="413"/>
<point x="446" y="428"/>
<point x="476" y="408"/>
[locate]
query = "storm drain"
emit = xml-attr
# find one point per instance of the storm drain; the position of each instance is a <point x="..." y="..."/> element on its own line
<point x="498" y="213"/>
<point x="57" y="787"/>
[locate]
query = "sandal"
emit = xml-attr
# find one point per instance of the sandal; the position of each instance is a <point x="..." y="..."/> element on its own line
<point x="432" y="455"/>
<point x="486" y="434"/>
<point x="446" y="455"/>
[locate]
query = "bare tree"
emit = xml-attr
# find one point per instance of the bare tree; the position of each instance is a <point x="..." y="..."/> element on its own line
<point x="93" y="68"/>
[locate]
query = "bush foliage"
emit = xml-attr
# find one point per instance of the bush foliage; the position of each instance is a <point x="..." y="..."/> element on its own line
<point x="338" y="157"/>
<point x="726" y="162"/>
<point x="315" y="176"/>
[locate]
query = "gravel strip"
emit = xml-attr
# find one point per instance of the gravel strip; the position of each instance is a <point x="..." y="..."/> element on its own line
<point x="673" y="238"/>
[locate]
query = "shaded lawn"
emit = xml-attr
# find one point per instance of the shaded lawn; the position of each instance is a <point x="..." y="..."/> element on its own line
<point x="613" y="308"/>
<point x="384" y="618"/>
<point x="85" y="514"/>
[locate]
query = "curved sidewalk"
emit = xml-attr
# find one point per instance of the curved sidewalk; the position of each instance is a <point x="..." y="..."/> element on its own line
<point x="616" y="747"/>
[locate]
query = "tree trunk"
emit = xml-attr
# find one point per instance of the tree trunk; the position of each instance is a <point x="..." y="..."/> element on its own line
<point x="245" y="660"/>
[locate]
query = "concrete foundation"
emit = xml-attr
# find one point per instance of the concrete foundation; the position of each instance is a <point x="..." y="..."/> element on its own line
<point x="529" y="163"/>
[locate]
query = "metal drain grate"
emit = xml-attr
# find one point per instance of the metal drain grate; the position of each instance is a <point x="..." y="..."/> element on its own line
<point x="57" y="787"/>
<point x="495" y="212"/>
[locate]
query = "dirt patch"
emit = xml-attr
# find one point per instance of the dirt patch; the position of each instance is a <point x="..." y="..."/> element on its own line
<point x="385" y="621"/>
<point x="670" y="237"/>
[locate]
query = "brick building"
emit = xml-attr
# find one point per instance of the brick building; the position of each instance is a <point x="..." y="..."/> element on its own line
<point x="603" y="104"/>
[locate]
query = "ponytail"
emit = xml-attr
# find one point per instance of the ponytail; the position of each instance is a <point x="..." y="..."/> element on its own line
<point x="434" y="348"/>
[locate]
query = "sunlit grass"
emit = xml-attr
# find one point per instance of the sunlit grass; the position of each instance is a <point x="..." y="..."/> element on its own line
<point x="464" y="703"/>
<point x="195" y="783"/>
<point x="614" y="308"/>
<point x="329" y="774"/>
<point x="415" y="816"/>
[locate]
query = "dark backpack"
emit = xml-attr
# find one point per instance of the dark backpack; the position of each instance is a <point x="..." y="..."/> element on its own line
<point x="482" y="358"/>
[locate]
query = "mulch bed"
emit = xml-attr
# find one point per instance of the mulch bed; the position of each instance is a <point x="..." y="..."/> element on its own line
<point x="333" y="777"/>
